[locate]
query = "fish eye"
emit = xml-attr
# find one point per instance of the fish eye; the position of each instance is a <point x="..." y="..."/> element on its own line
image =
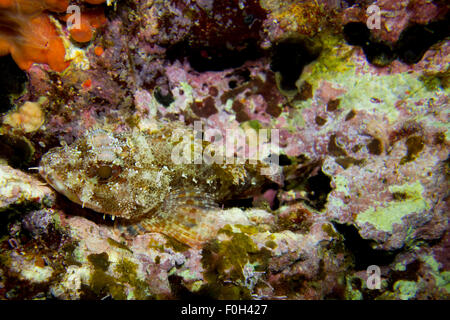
<point x="104" y="172"/>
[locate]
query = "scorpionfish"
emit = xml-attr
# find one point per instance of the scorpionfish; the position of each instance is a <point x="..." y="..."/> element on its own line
<point x="132" y="176"/>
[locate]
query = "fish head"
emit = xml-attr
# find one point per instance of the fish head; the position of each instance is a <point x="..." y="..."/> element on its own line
<point x="106" y="173"/>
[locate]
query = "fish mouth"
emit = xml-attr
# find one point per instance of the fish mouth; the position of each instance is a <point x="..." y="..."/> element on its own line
<point x="58" y="184"/>
<point x="50" y="175"/>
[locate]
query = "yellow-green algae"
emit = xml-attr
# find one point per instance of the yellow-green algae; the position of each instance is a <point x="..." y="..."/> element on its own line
<point x="414" y="145"/>
<point x="176" y="245"/>
<point x="442" y="278"/>
<point x="224" y="262"/>
<point x="352" y="293"/>
<point x="128" y="275"/>
<point x="336" y="66"/>
<point x="101" y="283"/>
<point x="341" y="185"/>
<point x="119" y="245"/>
<point x="405" y="289"/>
<point x="126" y="286"/>
<point x="334" y="59"/>
<point x="384" y="217"/>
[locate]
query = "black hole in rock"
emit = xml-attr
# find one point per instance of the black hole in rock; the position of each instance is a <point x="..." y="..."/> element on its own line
<point x="238" y="203"/>
<point x="359" y="3"/>
<point x="318" y="187"/>
<point x="232" y="84"/>
<point x="356" y="33"/>
<point x="276" y="204"/>
<point x="16" y="151"/>
<point x="12" y="81"/>
<point x="164" y="99"/>
<point x="417" y="39"/>
<point x="241" y="75"/>
<point x="248" y="19"/>
<point x="363" y="253"/>
<point x="214" y="59"/>
<point x="181" y="292"/>
<point x="289" y="58"/>
<point x="378" y="53"/>
<point x="283" y="160"/>
<point x="410" y="48"/>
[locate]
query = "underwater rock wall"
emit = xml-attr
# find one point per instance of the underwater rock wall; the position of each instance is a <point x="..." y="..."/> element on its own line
<point x="362" y="121"/>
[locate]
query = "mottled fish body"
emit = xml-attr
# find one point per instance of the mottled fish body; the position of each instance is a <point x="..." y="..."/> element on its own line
<point x="132" y="175"/>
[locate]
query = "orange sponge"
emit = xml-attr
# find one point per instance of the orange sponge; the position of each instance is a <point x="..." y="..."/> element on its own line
<point x="41" y="45"/>
<point x="29" y="35"/>
<point x="90" y="20"/>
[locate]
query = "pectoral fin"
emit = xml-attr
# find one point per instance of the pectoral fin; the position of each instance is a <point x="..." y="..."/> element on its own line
<point x="189" y="216"/>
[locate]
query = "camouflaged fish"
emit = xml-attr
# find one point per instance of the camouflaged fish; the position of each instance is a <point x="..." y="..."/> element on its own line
<point x="132" y="175"/>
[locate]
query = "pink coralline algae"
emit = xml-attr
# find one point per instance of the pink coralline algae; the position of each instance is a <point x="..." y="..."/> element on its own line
<point x="397" y="15"/>
<point x="264" y="150"/>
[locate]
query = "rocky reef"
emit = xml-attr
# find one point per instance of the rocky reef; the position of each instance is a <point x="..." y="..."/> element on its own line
<point x="354" y="116"/>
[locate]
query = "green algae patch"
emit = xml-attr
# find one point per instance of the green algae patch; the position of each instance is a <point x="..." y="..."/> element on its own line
<point x="384" y="218"/>
<point x="99" y="261"/>
<point x="341" y="185"/>
<point x="271" y="244"/>
<point x="227" y="264"/>
<point x="153" y="244"/>
<point x="334" y="59"/>
<point x="442" y="278"/>
<point x="254" y="124"/>
<point x="247" y="229"/>
<point x="176" y="245"/>
<point x="330" y="231"/>
<point x="126" y="285"/>
<point x="414" y="145"/>
<point x="102" y="284"/>
<point x="128" y="275"/>
<point x="436" y="80"/>
<point x="351" y="291"/>
<point x="336" y="67"/>
<point x="405" y="289"/>
<point x="119" y="245"/>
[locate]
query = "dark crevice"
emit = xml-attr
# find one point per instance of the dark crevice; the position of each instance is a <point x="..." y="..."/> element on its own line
<point x="377" y="53"/>
<point x="164" y="99"/>
<point x="238" y="203"/>
<point x="289" y="58"/>
<point x="363" y="253"/>
<point x="356" y="33"/>
<point x="12" y="81"/>
<point x="283" y="160"/>
<point x="411" y="273"/>
<point x="181" y="292"/>
<point x="410" y="48"/>
<point x="417" y="39"/>
<point x="318" y="187"/>
<point x="16" y="150"/>
<point x="204" y="59"/>
<point x="307" y="176"/>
